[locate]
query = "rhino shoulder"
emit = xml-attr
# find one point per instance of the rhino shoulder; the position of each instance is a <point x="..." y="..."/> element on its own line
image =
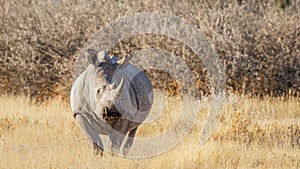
<point x="77" y="94"/>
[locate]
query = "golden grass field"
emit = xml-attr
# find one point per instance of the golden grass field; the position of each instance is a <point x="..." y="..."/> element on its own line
<point x="253" y="133"/>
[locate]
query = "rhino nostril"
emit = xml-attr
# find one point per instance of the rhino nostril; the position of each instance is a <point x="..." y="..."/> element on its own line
<point x="105" y="111"/>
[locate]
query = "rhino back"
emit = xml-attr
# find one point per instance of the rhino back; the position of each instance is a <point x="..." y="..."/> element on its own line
<point x="137" y="96"/>
<point x="141" y="89"/>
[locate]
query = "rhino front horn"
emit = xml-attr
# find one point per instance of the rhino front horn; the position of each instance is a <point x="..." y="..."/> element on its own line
<point x="120" y="86"/>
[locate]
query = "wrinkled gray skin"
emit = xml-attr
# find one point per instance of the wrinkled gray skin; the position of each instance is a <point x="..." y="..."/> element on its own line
<point x="111" y="97"/>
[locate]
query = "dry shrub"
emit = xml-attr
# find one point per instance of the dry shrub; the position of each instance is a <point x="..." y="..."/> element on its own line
<point x="248" y="124"/>
<point x="243" y="130"/>
<point x="257" y="41"/>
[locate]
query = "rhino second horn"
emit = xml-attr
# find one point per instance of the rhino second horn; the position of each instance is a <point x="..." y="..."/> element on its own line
<point x="111" y="86"/>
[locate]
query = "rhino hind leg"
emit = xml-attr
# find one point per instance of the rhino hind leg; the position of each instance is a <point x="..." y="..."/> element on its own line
<point x="117" y="135"/>
<point x="116" y="139"/>
<point x="91" y="131"/>
<point x="129" y="141"/>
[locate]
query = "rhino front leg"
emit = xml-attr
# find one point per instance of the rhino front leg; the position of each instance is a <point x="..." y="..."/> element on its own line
<point x="91" y="131"/>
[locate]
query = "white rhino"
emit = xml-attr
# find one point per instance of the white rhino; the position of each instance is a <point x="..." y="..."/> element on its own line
<point x="111" y="97"/>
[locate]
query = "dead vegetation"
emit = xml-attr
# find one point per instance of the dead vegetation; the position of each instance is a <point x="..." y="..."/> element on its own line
<point x="257" y="41"/>
<point x="253" y="133"/>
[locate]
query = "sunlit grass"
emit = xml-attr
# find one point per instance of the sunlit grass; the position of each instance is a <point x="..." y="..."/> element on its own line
<point x="46" y="136"/>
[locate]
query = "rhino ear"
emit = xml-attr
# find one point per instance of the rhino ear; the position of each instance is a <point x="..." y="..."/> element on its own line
<point x="92" y="58"/>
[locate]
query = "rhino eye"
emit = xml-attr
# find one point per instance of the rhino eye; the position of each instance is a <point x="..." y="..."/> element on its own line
<point x="101" y="89"/>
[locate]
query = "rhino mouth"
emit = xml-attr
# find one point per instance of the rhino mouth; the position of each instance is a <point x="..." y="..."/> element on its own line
<point x="111" y="114"/>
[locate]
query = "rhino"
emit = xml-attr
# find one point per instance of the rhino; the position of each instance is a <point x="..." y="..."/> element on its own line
<point x="110" y="97"/>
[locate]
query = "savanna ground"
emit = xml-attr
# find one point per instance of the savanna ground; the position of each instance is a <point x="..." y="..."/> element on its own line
<point x="253" y="133"/>
<point x="258" y="42"/>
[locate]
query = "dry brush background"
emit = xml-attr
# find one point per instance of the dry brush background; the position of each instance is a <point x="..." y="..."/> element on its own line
<point x="258" y="42"/>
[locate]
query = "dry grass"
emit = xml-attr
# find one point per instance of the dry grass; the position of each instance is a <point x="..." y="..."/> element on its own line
<point x="253" y="134"/>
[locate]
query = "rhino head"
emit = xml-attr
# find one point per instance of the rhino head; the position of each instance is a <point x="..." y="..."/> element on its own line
<point x="106" y="91"/>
